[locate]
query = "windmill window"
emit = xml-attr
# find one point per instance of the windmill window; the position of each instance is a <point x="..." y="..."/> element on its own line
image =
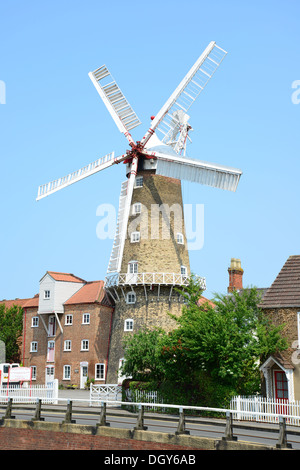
<point x="137" y="208"/>
<point x="138" y="182"/>
<point x="128" y="324"/>
<point x="135" y="237"/>
<point x="179" y="238"/>
<point x="183" y="270"/>
<point x="131" y="298"/>
<point x="132" y="267"/>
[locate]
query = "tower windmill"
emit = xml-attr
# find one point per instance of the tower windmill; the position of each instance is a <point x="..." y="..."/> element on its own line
<point x="143" y="270"/>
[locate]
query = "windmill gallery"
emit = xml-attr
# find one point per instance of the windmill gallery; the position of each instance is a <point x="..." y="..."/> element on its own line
<point x="143" y="269"/>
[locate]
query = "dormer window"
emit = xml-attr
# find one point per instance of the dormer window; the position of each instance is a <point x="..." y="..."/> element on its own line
<point x="46" y="294"/>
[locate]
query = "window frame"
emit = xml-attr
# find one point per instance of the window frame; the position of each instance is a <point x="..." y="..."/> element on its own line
<point x="47" y="294"/>
<point x="128" y="324"/>
<point x="66" y="368"/>
<point x="137" y="208"/>
<point x="130" y="293"/>
<point x="180" y="238"/>
<point x="33" y="346"/>
<point x="88" y="315"/>
<point x="34" y="320"/>
<point x="183" y="270"/>
<point x="65" y="345"/>
<point x="135" y="237"/>
<point x="133" y="264"/>
<point x="85" y="342"/>
<point x="101" y="371"/>
<point x="68" y="316"/>
<point x="139" y="182"/>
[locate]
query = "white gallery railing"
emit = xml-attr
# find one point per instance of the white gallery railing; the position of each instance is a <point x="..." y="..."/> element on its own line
<point x="171" y="279"/>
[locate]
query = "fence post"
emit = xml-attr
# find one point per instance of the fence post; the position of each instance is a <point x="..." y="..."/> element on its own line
<point x="68" y="418"/>
<point x="9" y="409"/>
<point x="140" y="420"/>
<point x="37" y="414"/>
<point x="181" y="424"/>
<point x="102" y="419"/>
<point x="228" y="429"/>
<point x="282" y="440"/>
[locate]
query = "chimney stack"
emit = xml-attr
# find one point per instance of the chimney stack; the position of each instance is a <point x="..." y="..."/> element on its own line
<point x="235" y="275"/>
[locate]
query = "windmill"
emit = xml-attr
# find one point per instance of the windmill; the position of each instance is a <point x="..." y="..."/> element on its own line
<point x="161" y="154"/>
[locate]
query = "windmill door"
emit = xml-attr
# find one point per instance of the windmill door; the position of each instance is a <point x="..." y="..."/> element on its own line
<point x="281" y="391"/>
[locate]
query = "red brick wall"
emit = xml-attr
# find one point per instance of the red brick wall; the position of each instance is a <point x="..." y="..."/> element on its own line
<point x="97" y="332"/>
<point x="33" y="439"/>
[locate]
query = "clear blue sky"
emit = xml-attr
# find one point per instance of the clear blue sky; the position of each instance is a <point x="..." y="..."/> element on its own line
<point x="54" y="122"/>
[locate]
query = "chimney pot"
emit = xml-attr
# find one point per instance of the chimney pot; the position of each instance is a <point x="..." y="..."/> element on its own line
<point x="235" y="275"/>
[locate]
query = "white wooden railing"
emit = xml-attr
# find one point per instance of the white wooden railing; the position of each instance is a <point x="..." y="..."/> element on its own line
<point x="171" y="279"/>
<point x="263" y="409"/>
<point x="107" y="392"/>
<point x="28" y="394"/>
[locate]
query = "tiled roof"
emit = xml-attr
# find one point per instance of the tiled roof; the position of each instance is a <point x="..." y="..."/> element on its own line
<point x="204" y="300"/>
<point x="66" y="277"/>
<point x="34" y="302"/>
<point x="11" y="303"/>
<point x="285" y="290"/>
<point x="91" y="292"/>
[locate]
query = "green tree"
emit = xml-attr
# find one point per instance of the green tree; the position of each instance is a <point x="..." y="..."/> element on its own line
<point x="11" y="327"/>
<point x="224" y="343"/>
<point x="227" y="341"/>
<point x="143" y="354"/>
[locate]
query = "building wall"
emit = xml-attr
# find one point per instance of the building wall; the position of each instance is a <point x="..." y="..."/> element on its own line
<point x="158" y="250"/>
<point x="288" y="318"/>
<point x="149" y="313"/>
<point x="59" y="293"/>
<point x="97" y="333"/>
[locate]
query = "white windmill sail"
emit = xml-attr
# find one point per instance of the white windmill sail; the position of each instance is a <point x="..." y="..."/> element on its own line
<point x="116" y="249"/>
<point x="88" y="170"/>
<point x="196" y="171"/>
<point x="187" y="91"/>
<point x="115" y="261"/>
<point x="116" y="103"/>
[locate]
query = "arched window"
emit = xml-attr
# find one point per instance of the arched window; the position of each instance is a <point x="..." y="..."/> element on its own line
<point x="131" y="297"/>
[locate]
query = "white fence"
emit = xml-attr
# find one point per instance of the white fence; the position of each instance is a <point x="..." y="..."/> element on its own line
<point x="260" y="408"/>
<point x="107" y="392"/>
<point x="28" y="394"/>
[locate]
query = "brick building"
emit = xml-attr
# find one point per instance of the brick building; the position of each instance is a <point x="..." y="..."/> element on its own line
<point x="66" y="330"/>
<point x="281" y="304"/>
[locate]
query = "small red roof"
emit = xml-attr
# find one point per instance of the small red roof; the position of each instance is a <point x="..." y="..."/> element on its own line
<point x="11" y="303"/>
<point x="91" y="292"/>
<point x="204" y="300"/>
<point x="66" y="277"/>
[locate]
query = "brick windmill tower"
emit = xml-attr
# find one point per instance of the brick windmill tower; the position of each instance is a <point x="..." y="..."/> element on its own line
<point x="149" y="255"/>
